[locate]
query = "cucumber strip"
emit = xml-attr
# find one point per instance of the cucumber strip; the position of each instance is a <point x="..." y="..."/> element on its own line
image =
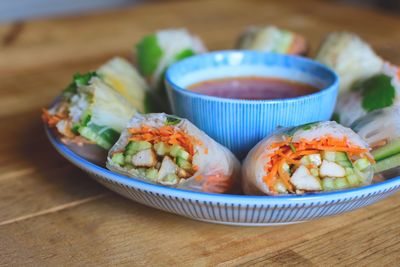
<point x="92" y="135"/>
<point x="328" y="184"/>
<point x="329" y="155"/>
<point x="345" y="163"/>
<point x="341" y="156"/>
<point x="353" y="179"/>
<point x="152" y="174"/>
<point x="184" y="164"/>
<point x="118" y="158"/>
<point x="314" y="172"/>
<point x="341" y="183"/>
<point x="85" y="118"/>
<point x="161" y="148"/>
<point x="349" y="171"/>
<point x="183" y="154"/>
<point x="387" y="163"/>
<point x="170" y="179"/>
<point x="176" y="150"/>
<point x="362" y="164"/>
<point x="386" y="151"/>
<point x="135" y="146"/>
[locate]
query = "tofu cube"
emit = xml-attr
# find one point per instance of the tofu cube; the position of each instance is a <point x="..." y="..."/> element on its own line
<point x="303" y="180"/>
<point x="144" y="158"/>
<point x="331" y="169"/>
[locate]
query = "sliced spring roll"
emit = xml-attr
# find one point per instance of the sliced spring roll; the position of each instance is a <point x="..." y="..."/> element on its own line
<point x="351" y="57"/>
<point x="93" y="110"/>
<point x="125" y="79"/>
<point x="315" y="157"/>
<point x="171" y="151"/>
<point x="376" y="92"/>
<point x="272" y="39"/>
<point x="381" y="130"/>
<point x="157" y="51"/>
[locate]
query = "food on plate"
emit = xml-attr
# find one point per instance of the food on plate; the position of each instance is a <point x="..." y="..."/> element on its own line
<point x="376" y="92"/>
<point x="155" y="52"/>
<point x="351" y="57"/>
<point x="381" y="130"/>
<point x="96" y="106"/>
<point x="171" y="151"/>
<point x="126" y="80"/>
<point x="314" y="157"/>
<point x="253" y="88"/>
<point x="273" y="39"/>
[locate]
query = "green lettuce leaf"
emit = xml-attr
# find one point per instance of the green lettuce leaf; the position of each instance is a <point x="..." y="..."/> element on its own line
<point x="149" y="54"/>
<point x="377" y="92"/>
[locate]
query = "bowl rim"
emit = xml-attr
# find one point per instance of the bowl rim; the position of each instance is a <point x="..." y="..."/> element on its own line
<point x="344" y="195"/>
<point x="334" y="86"/>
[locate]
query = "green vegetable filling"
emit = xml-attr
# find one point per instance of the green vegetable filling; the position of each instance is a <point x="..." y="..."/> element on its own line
<point x="149" y="54"/>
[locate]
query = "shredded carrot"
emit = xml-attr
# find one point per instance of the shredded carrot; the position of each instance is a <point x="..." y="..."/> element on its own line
<point x="290" y="152"/>
<point x="167" y="134"/>
<point x="284" y="176"/>
<point x="268" y="179"/>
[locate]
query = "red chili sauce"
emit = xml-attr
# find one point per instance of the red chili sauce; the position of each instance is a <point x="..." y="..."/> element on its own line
<point x="253" y="88"/>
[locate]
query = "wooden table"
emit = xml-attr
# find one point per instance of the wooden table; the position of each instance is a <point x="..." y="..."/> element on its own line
<point x="53" y="214"/>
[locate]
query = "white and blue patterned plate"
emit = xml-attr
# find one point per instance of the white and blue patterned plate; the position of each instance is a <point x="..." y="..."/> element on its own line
<point x="232" y="209"/>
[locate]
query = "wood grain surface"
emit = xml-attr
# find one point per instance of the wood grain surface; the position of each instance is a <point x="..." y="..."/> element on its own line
<point x="52" y="214"/>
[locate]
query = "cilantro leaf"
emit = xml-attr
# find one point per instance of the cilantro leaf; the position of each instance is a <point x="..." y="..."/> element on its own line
<point x="172" y="120"/>
<point x="377" y="93"/>
<point x="78" y="80"/>
<point x="336" y="117"/>
<point x="149" y="54"/>
<point x="83" y="79"/>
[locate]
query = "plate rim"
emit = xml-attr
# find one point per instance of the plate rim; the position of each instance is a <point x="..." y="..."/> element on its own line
<point x="345" y="195"/>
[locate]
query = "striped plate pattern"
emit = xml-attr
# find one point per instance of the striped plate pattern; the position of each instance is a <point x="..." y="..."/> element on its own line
<point x="233" y="209"/>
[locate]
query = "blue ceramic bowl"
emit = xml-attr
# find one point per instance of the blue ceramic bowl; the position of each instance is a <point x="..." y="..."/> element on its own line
<point x="239" y="124"/>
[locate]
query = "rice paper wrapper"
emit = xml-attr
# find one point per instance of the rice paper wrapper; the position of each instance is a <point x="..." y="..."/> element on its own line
<point x="211" y="158"/>
<point x="356" y="103"/>
<point x="253" y="166"/>
<point x="272" y="39"/>
<point x="350" y="56"/>
<point x="379" y="125"/>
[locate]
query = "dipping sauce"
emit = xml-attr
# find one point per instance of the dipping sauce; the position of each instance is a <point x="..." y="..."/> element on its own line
<point x="253" y="88"/>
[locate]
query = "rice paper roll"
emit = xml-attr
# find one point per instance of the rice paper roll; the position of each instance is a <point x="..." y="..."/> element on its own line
<point x="90" y="113"/>
<point x="155" y="52"/>
<point x="376" y="92"/>
<point x="350" y="56"/>
<point x="126" y="80"/>
<point x="315" y="157"/>
<point x="171" y="151"/>
<point x="272" y="39"/>
<point x="381" y="130"/>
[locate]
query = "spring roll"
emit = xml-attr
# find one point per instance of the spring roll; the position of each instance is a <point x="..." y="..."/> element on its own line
<point x="93" y="110"/>
<point x="157" y="51"/>
<point x="272" y="39"/>
<point x="351" y="57"/>
<point x="381" y="130"/>
<point x="315" y="157"/>
<point x="376" y="92"/>
<point x="171" y="151"/>
<point x="126" y="80"/>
